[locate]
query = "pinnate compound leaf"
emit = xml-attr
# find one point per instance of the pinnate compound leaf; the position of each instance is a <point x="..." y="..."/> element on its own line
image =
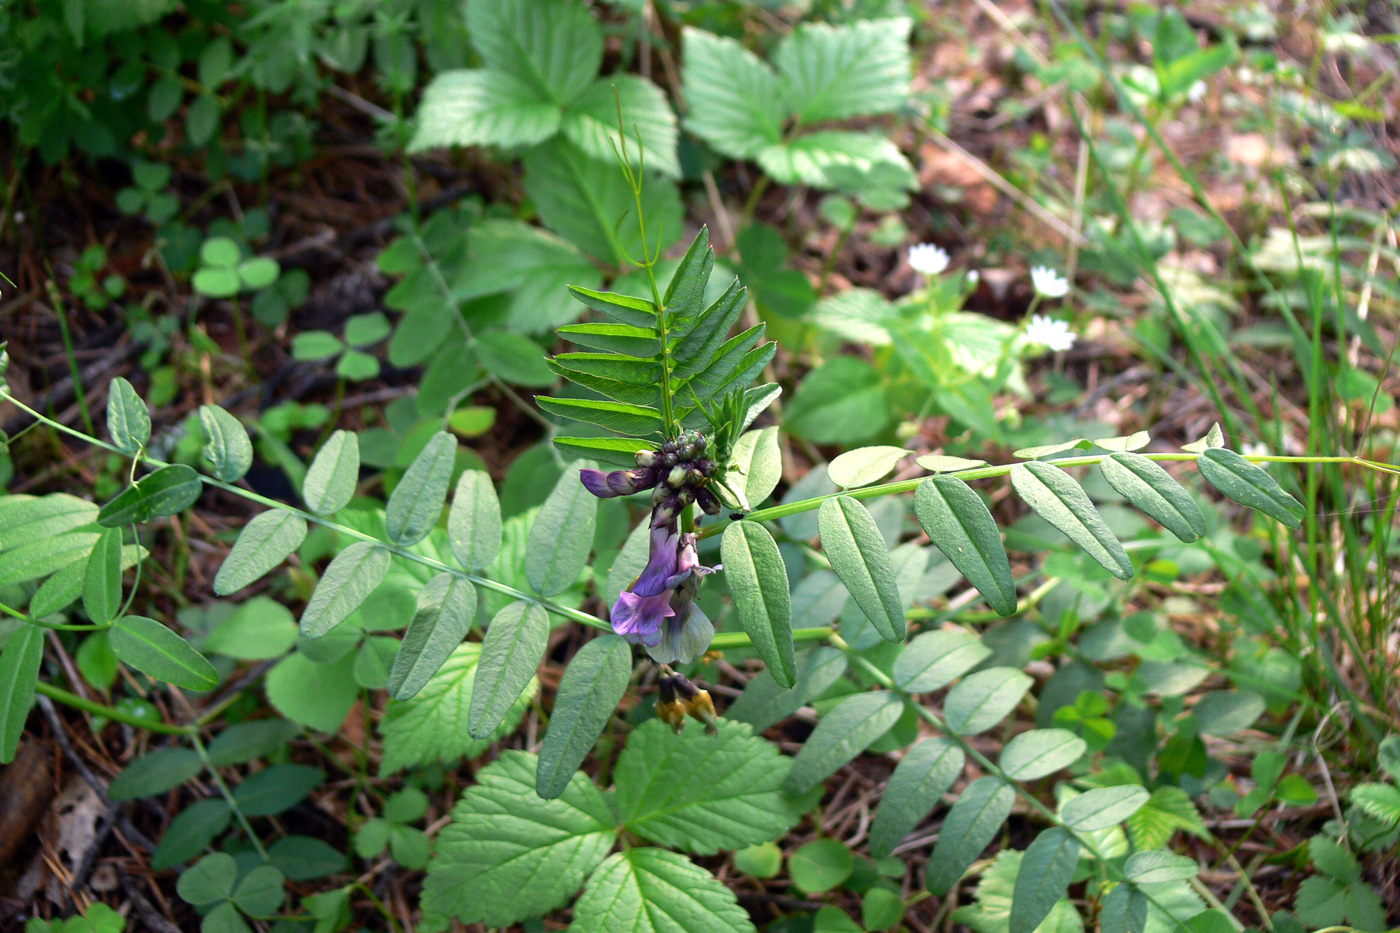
<point x="226" y="444"/>
<point x="735" y="99"/>
<point x="102" y="578"/>
<point x="1035" y="754"/>
<point x="841" y="735"/>
<point x="416" y="502"/>
<point x="477" y="107"/>
<point x="1249" y="485"/>
<point x="864" y="465"/>
<point x="1103" y="807"/>
<point x="510" y="653"/>
<point x="128" y="419"/>
<point x="650" y="890"/>
<point x="1056" y="497"/>
<point x="835" y="72"/>
<point x="263" y="543"/>
<point x="758" y="582"/>
<point x="703" y="793"/>
<point x="1047" y="867"/>
<point x="474" y="521"/>
<point x="562" y="536"/>
<point x="432" y="725"/>
<point x="920" y="779"/>
<point x="981" y="700"/>
<point x="330" y="480"/>
<point x="935" y="659"/>
<point x="446" y="607"/>
<point x="589" y="692"/>
<point x="155" y="650"/>
<point x="1152" y="489"/>
<point x="959" y="524"/>
<point x="857" y="551"/>
<point x="347" y="582"/>
<point x="507" y="855"/>
<point x="19" y="672"/>
<point x="968" y="827"/>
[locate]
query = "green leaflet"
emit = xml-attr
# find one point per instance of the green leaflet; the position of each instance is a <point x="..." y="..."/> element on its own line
<point x="589" y="692"/>
<point x="1046" y="871"/>
<point x="562" y="536"/>
<point x="554" y="48"/>
<point x="474" y="521"/>
<point x="66" y="584"/>
<point x="244" y="741"/>
<point x="758" y="582"/>
<point x="935" y="659"/>
<point x="1124" y="910"/>
<point x="330" y="480"/>
<point x="863" y="466"/>
<point x="1152" y="489"/>
<point x="507" y="855"/>
<point x="613" y="338"/>
<point x="1159" y="866"/>
<point x="1057" y="498"/>
<point x="697" y="348"/>
<point x="764" y="703"/>
<point x="959" y="524"/>
<point x="703" y="793"/>
<point x="969" y="826"/>
<point x="19" y="672"/>
<point x="510" y="653"/>
<point x="39" y="558"/>
<point x="1249" y="485"/>
<point x="1102" y="807"/>
<point x="835" y="72"/>
<point x="650" y="890"/>
<point x="347" y="582"/>
<point x="920" y="779"/>
<point x="262" y="544"/>
<point x="841" y="735"/>
<point x="416" y="502"/>
<point x="168" y="490"/>
<point x="102" y="578"/>
<point x="155" y="773"/>
<point x="155" y="650"/>
<point x="276" y="789"/>
<point x="756" y="465"/>
<point x="226" y="444"/>
<point x="634" y="312"/>
<point x="685" y="295"/>
<point x="616" y="451"/>
<point x="128" y="419"/>
<point x="1035" y="754"/>
<point x="981" y="700"/>
<point x="446" y="607"/>
<point x="614" y="416"/>
<point x="24" y="519"/>
<point x="857" y="552"/>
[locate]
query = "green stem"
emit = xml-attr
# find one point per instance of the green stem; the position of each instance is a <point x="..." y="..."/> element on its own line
<point x="74" y="374"/>
<point x="227" y="794"/>
<point x="729" y="640"/>
<point x="116" y="715"/>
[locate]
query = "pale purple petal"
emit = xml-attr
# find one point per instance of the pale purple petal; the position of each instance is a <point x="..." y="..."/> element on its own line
<point x="596" y="482"/>
<point x="661" y="564"/>
<point x="639" y="618"/>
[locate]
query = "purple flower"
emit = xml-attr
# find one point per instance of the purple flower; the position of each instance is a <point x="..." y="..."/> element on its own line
<point x="618" y="482"/>
<point x="658" y="611"/>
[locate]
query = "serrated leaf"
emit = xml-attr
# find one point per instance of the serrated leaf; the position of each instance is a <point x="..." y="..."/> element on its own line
<point x="347" y="582"/>
<point x="263" y="543"/>
<point x="969" y="826"/>
<point x="864" y="465"/>
<point x="919" y="781"/>
<point x="935" y="659"/>
<point x="226" y="444"/>
<point x="1166" y="811"/>
<point x="554" y="46"/>
<point x="841" y="735"/>
<point x="758" y="582"/>
<point x="510" y="653"/>
<point x="981" y="700"/>
<point x="588" y="694"/>
<point x="102" y="578"/>
<point x="835" y="72"/>
<point x="959" y="525"/>
<point x="1056" y="497"/>
<point x="1156" y="867"/>
<point x="1249" y="485"/>
<point x="1103" y="807"/>
<point x="1379" y="800"/>
<point x="650" y="890"/>
<point x="330" y="480"/>
<point x="562" y="536"/>
<point x="591" y="122"/>
<point x="735" y="100"/>
<point x="416" y="502"/>
<point x="1152" y="489"/>
<point x="1035" y="754"/>
<point x="155" y="650"/>
<point x="703" y="793"/>
<point x="1046" y="871"/>
<point x="474" y="521"/>
<point x="128" y="419"/>
<point x="507" y="855"/>
<point x="614" y="416"/>
<point x="807" y="159"/>
<point x="444" y="613"/>
<point x="856" y="549"/>
<point x="478" y="107"/>
<point x="19" y="672"/>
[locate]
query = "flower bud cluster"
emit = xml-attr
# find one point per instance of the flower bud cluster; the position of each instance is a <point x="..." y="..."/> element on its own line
<point x="680" y="698"/>
<point x="679" y="473"/>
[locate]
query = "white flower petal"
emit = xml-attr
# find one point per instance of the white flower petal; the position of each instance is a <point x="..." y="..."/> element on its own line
<point x="928" y="259"/>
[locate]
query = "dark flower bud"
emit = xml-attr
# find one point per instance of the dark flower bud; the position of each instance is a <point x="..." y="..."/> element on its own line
<point x="694" y="477"/>
<point x="703" y="708"/>
<point x="669" y="459"/>
<point x="626" y="482"/>
<point x="708" y="501"/>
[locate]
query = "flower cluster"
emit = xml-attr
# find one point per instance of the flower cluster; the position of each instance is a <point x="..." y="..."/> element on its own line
<point x="658" y="610"/>
<point x="681" y="698"/>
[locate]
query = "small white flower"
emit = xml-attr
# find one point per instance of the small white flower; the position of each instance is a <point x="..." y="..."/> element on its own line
<point x="1254" y="450"/>
<point x="974" y="277"/>
<point x="1049" y="333"/>
<point x="928" y="259"/>
<point x="1196" y="92"/>
<point x="1048" y="283"/>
